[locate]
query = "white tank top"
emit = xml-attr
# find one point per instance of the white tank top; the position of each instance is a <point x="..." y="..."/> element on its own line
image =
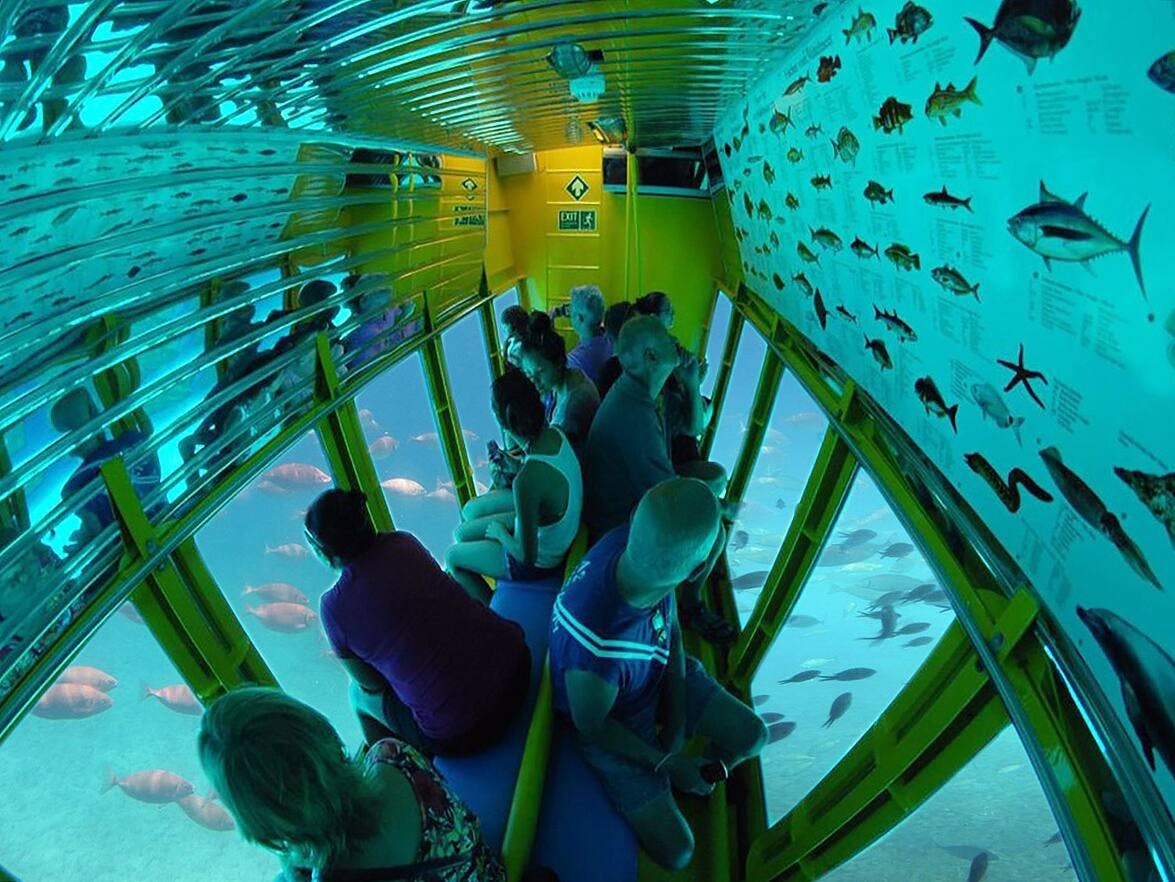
<point x="555" y="539"/>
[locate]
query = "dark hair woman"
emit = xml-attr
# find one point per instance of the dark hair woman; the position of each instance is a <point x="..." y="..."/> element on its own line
<point x="570" y="397"/>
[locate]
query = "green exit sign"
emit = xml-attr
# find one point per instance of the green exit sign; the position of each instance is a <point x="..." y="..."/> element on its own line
<point x="577" y="221"/>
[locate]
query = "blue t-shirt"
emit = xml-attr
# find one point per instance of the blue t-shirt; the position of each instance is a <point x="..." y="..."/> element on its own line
<point x="589" y="356"/>
<point x="594" y="629"/>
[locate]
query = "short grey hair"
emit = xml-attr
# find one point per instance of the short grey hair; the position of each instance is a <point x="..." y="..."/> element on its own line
<point x="591" y="299"/>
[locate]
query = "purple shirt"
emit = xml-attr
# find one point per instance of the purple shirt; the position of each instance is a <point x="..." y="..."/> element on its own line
<point x="594" y="629"/>
<point x="589" y="356"/>
<point x="447" y="656"/>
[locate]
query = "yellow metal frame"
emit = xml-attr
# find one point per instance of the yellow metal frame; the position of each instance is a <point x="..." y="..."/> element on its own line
<point x="489" y="330"/>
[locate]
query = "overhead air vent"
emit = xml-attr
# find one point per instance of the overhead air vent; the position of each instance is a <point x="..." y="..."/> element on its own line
<point x="660" y="172"/>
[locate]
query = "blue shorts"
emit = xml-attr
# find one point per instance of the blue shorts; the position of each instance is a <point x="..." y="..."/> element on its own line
<point x="629" y="785"/>
<point x="517" y="571"/>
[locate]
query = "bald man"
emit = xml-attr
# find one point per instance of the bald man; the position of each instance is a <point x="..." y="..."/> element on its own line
<point x="619" y="671"/>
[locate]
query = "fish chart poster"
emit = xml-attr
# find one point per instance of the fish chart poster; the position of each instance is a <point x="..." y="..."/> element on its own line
<point x="970" y="206"/>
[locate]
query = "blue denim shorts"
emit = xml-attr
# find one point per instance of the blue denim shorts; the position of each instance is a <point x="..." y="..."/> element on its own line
<point x="631" y="786"/>
<point x="517" y="571"/>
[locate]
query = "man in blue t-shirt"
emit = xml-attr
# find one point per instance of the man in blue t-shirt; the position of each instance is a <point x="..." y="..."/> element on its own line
<point x="616" y="660"/>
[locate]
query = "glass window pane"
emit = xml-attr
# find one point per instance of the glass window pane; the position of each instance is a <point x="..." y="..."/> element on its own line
<point x="716" y="342"/>
<point x="994" y="805"/>
<point x="740" y="396"/>
<point x="781" y="471"/>
<point x="470" y="380"/>
<point x="256" y="551"/>
<point x="59" y="819"/>
<point x="867" y="618"/>
<point x="501" y="303"/>
<point x="411" y="466"/>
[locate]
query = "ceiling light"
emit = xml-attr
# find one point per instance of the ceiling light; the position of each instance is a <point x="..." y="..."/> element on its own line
<point x="570" y="60"/>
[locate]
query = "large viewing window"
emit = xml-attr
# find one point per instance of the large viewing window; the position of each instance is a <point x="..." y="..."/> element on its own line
<point x="470" y="381"/>
<point x="740" y="396"/>
<point x="716" y="342"/>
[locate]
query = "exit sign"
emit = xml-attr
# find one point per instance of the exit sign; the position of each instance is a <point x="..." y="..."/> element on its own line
<point x="577" y="221"/>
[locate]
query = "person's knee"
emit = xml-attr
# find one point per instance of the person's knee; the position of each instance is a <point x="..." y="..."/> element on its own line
<point x="453" y="557"/>
<point x="756" y="736"/>
<point x="673" y="848"/>
<point x="747" y="736"/>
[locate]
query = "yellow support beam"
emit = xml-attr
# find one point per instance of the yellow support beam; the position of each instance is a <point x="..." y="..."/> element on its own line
<point x="432" y="359"/>
<point x="722" y="381"/>
<point x="489" y="329"/>
<point x="770" y="377"/>
<point x="342" y="439"/>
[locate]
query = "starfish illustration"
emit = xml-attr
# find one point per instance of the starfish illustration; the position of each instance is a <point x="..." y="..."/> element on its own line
<point x="1023" y="375"/>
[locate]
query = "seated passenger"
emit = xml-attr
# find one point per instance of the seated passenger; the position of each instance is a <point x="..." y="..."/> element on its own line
<point x="515" y="320"/>
<point x="530" y="539"/>
<point x="627" y="453"/>
<point x="72" y="411"/>
<point x="381" y="328"/>
<point x="570" y="397"/>
<point x="587" y="320"/>
<point x="283" y="773"/>
<point x="614" y="318"/>
<point x="428" y="662"/>
<point x="619" y="671"/>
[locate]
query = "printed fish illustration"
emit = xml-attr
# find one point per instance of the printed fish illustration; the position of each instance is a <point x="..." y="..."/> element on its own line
<point x="763" y="210"/>
<point x="992" y="406"/>
<point x="821" y="309"/>
<point x="894" y="324"/>
<point x="927" y="391"/>
<point x="840" y="308"/>
<point x="912" y="22"/>
<point x="797" y="85"/>
<point x="861" y="27"/>
<point x="880" y="353"/>
<point x="949" y="101"/>
<point x="945" y="200"/>
<point x="846" y="146"/>
<point x="1060" y="230"/>
<point x="806" y="253"/>
<point x="1029" y="29"/>
<point x="791" y="201"/>
<point x="829" y="65"/>
<point x="1162" y="72"/>
<point x="768" y="172"/>
<point x="780" y="121"/>
<point x="826" y="238"/>
<point x="1094" y="512"/>
<point x="1008" y="491"/>
<point x="805" y="286"/>
<point x="795" y="154"/>
<point x="1146" y="672"/>
<point x="903" y="258"/>
<point x="952" y="280"/>
<point x="777" y="280"/>
<point x="1156" y="492"/>
<point x="813" y="131"/>
<point x="748" y="205"/>
<point x="893" y="115"/>
<point x="876" y="192"/>
<point x="822" y="182"/>
<point x="864" y="250"/>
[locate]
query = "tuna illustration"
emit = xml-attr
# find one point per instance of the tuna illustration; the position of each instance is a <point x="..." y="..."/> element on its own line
<point x="1156" y="492"/>
<point x="822" y="182"/>
<point x="791" y="201"/>
<point x="877" y="193"/>
<point x="829" y="65"/>
<point x="903" y="258"/>
<point x="802" y="280"/>
<point x="780" y="122"/>
<point x="931" y="398"/>
<point x="912" y="22"/>
<point x="949" y="101"/>
<point x="952" y="280"/>
<point x="846" y="146"/>
<point x="1029" y="29"/>
<point x="943" y="199"/>
<point x="991" y="405"/>
<point x="880" y="353"/>
<point x="1094" y="512"/>
<point x="1162" y="72"/>
<point x="892" y="114"/>
<point x="806" y="253"/>
<point x="894" y="324"/>
<point x="840" y="308"/>
<point x="1146" y="673"/>
<point x="864" y="250"/>
<point x="795" y="154"/>
<point x="821" y="309"/>
<point x="813" y="131"/>
<point x="861" y="27"/>
<point x="797" y="85"/>
<point x="826" y="238"/>
<point x="1060" y="230"/>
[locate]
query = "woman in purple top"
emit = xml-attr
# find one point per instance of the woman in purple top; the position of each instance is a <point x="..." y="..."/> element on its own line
<point x="428" y="662"/>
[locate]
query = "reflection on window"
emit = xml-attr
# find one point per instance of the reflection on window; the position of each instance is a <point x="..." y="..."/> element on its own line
<point x="63" y="818"/>
<point x="469" y="377"/>
<point x="740" y="396"/>
<point x="785" y="459"/>
<point x="993" y="806"/>
<point x="256" y="550"/>
<point x="399" y="425"/>
<point x="865" y="621"/>
<point x="719" y="326"/>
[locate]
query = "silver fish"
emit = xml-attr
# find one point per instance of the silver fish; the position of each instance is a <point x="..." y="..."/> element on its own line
<point x="992" y="406"/>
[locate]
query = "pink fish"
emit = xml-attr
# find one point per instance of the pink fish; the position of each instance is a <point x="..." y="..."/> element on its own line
<point x="285" y="617"/>
<point x="129" y="612"/>
<point x="368" y="421"/>
<point x="153" y="785"/>
<point x="383" y="446"/>
<point x="272" y="489"/>
<point x="403" y="487"/>
<point x="469" y="434"/>
<point x="206" y="812"/>
<point x="426" y="438"/>
<point x="296" y="474"/>
<point x="290" y="549"/>
<point x="87" y="676"/>
<point x="179" y="698"/>
<point x="442" y="494"/>
<point x="71" y="701"/>
<point x="276" y="591"/>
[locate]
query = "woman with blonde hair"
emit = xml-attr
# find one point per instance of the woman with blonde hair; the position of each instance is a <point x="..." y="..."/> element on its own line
<point x="282" y="772"/>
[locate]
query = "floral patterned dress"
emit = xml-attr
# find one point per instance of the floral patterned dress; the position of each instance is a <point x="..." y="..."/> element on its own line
<point x="448" y="827"/>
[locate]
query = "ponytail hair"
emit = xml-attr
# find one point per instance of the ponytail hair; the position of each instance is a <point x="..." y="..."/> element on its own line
<point x="518" y="405"/>
<point x="543" y="340"/>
